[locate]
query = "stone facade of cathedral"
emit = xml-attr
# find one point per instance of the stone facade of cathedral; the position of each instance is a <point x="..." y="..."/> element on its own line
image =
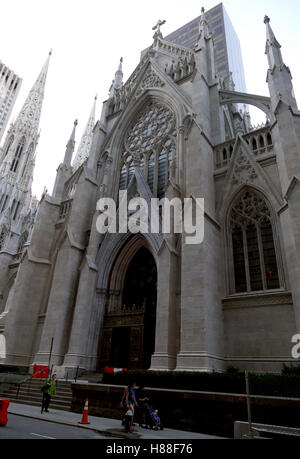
<point x="150" y="300"/>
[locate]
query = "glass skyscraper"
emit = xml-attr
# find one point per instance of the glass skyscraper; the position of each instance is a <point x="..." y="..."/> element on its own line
<point x="228" y="56"/>
<point x="10" y="85"/>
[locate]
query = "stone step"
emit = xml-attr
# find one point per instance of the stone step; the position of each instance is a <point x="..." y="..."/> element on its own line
<point x="37" y="390"/>
<point x="24" y="393"/>
<point x="30" y="393"/>
<point x="53" y="405"/>
<point x="37" y="396"/>
<point x="62" y="391"/>
<point x="61" y="383"/>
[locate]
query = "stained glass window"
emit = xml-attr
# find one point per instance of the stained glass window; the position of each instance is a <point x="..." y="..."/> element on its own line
<point x="239" y="260"/>
<point x="149" y="141"/>
<point x="18" y="153"/>
<point x="253" y="247"/>
<point x="269" y="255"/>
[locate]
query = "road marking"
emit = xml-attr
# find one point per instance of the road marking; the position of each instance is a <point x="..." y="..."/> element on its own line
<point x="44" y="436"/>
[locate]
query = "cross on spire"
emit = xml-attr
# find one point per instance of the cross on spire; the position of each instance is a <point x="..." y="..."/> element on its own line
<point x="158" y="25"/>
<point x="157" y="28"/>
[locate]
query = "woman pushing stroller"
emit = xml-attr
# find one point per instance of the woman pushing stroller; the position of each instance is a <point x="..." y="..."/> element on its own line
<point x="129" y="402"/>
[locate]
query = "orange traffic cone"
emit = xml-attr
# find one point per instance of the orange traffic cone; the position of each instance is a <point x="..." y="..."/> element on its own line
<point x="84" y="419"/>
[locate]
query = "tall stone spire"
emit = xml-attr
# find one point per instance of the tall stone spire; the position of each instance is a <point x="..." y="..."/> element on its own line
<point x="70" y="146"/>
<point x="17" y="162"/>
<point x="28" y="119"/>
<point x="119" y="75"/>
<point x="204" y="31"/>
<point x="117" y="83"/>
<point x="64" y="170"/>
<point x="279" y="76"/>
<point x="204" y="49"/>
<point x="86" y="139"/>
<point x="19" y="148"/>
<point x="272" y="46"/>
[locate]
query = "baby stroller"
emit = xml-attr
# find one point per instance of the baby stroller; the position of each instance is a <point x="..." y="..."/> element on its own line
<point x="151" y="418"/>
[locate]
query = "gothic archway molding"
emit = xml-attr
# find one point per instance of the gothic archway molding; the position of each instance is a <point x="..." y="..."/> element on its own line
<point x="244" y="170"/>
<point x="118" y="245"/>
<point x="179" y="107"/>
<point x="123" y="260"/>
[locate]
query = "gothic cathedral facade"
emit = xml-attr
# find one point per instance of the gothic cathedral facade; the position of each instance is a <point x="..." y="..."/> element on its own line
<point x="174" y="130"/>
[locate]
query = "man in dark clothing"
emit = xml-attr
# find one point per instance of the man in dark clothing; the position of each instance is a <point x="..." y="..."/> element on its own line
<point x="48" y="390"/>
<point x="142" y="399"/>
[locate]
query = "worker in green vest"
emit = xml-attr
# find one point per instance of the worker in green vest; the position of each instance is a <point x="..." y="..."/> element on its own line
<point x="49" y="389"/>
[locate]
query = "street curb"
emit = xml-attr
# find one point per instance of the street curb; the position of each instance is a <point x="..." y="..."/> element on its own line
<point x="72" y="424"/>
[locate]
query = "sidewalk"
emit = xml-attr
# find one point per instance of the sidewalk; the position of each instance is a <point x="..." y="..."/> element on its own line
<point x="110" y="427"/>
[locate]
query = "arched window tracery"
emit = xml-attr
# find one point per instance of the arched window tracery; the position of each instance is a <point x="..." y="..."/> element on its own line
<point x="150" y="144"/>
<point x="253" y="251"/>
<point x="18" y="154"/>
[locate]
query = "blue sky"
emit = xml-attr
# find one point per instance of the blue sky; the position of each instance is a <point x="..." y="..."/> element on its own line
<point x="89" y="37"/>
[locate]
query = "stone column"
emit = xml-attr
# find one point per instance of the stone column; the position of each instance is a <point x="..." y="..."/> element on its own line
<point x="164" y="357"/>
<point x="60" y="305"/>
<point x="5" y="259"/>
<point x="96" y="329"/>
<point x="286" y="140"/>
<point x="81" y="326"/>
<point x="167" y="323"/>
<point x="86" y="305"/>
<point x="201" y="307"/>
<point x="201" y="336"/>
<point x="27" y="297"/>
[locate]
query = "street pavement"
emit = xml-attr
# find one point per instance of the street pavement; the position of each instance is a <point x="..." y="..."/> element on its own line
<point x="23" y="428"/>
<point x="107" y="427"/>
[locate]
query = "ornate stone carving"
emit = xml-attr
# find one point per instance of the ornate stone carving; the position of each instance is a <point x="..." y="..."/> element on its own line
<point x="151" y="80"/>
<point x="243" y="171"/>
<point x="108" y="164"/>
<point x="250" y="208"/>
<point x="154" y="123"/>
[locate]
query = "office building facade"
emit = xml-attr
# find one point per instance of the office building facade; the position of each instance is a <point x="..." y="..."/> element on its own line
<point x="10" y="85"/>
<point x="228" y="56"/>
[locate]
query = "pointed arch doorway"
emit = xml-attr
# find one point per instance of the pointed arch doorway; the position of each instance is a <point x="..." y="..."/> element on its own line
<point x="128" y="337"/>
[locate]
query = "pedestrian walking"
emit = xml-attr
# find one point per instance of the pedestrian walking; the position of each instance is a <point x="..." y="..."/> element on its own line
<point x="143" y="408"/>
<point x="48" y="390"/>
<point x="129" y="401"/>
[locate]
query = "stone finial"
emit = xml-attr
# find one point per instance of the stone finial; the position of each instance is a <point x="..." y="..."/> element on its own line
<point x="266" y="19"/>
<point x="204" y="31"/>
<point x="231" y="84"/>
